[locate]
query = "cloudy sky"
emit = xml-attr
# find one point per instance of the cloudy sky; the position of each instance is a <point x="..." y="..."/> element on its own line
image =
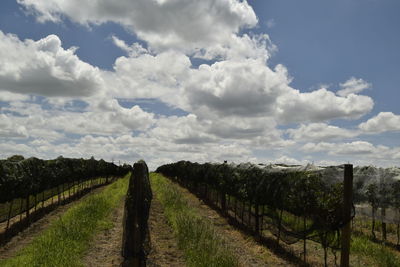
<point x="165" y="80"/>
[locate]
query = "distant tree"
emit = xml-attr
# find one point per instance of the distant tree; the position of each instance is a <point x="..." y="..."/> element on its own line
<point x="16" y="158"/>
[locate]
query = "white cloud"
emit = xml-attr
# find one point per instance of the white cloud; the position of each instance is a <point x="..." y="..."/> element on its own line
<point x="43" y="67"/>
<point x="288" y="160"/>
<point x="353" y="86"/>
<point x="353" y="148"/>
<point x="182" y="24"/>
<point x="9" y="129"/>
<point x="383" y="122"/>
<point x="236" y="102"/>
<point x="182" y="130"/>
<point x="11" y="97"/>
<point x="322" y="105"/>
<point x="255" y="46"/>
<point x="10" y="148"/>
<point x="133" y="50"/>
<point x="149" y="76"/>
<point x="104" y="118"/>
<point x="244" y="88"/>
<point x="320" y="132"/>
<point x="357" y="152"/>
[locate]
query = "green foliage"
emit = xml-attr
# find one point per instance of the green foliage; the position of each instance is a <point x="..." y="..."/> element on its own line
<point x="299" y="193"/>
<point x="21" y="177"/>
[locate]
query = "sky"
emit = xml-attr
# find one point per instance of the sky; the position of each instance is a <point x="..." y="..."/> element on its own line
<point x="262" y="81"/>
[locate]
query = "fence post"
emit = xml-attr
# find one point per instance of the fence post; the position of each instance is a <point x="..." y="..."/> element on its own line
<point x="27" y="209"/>
<point x="136" y="238"/>
<point x="223" y="203"/>
<point x="257" y="222"/>
<point x="347" y="202"/>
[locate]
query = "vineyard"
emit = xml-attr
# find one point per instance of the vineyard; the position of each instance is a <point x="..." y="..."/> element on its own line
<point x="300" y="214"/>
<point x="28" y="186"/>
<point x="295" y="203"/>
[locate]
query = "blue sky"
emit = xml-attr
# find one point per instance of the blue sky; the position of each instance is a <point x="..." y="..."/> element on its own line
<point x="329" y="41"/>
<point x="164" y="80"/>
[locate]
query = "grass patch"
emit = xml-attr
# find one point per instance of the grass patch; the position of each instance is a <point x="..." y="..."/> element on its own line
<point x="196" y="236"/>
<point x="66" y="240"/>
<point x="378" y="253"/>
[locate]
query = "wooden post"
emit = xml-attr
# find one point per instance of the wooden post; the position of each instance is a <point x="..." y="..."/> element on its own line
<point x="242" y="211"/>
<point x="27" y="208"/>
<point x="10" y="210"/>
<point x="257" y="222"/>
<point x="347" y="202"/>
<point x="235" y="207"/>
<point x="136" y="235"/>
<point x="21" y="209"/>
<point x="249" y="217"/>
<point x="35" y="201"/>
<point x="43" y="198"/>
<point x="223" y="203"/>
<point x="262" y="221"/>
<point x="383" y="214"/>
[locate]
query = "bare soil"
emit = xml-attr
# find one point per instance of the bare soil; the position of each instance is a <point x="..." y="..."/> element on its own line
<point x="105" y="249"/>
<point x="106" y="246"/>
<point x="164" y="248"/>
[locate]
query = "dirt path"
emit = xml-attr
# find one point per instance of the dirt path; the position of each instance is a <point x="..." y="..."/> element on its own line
<point x="25" y="237"/>
<point x="248" y="251"/>
<point x="165" y="251"/>
<point x="106" y="247"/>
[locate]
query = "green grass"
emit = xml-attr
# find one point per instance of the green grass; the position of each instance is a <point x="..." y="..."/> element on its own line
<point x="378" y="253"/>
<point x="196" y="236"/>
<point x="66" y="240"/>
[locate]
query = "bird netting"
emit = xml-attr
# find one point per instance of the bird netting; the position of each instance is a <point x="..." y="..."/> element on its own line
<point x="293" y="202"/>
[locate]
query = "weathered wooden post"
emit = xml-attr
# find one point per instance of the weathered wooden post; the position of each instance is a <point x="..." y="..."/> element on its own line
<point x="347" y="207"/>
<point x="223" y="203"/>
<point x="257" y="221"/>
<point x="27" y="209"/>
<point x="136" y="238"/>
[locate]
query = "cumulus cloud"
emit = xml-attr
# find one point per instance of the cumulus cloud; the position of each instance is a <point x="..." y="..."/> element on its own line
<point x="357" y="151"/>
<point x="180" y="24"/>
<point x="239" y="84"/>
<point x="9" y="148"/>
<point x="150" y="76"/>
<point x="235" y="102"/>
<point x="353" y="86"/>
<point x="249" y="88"/>
<point x="322" y="105"/>
<point x="182" y="130"/>
<point x="383" y="122"/>
<point x="11" y="97"/>
<point x="43" y="67"/>
<point x="320" y="132"/>
<point x="133" y="50"/>
<point x="244" y="88"/>
<point x="105" y="117"/>
<point x="9" y="129"/>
